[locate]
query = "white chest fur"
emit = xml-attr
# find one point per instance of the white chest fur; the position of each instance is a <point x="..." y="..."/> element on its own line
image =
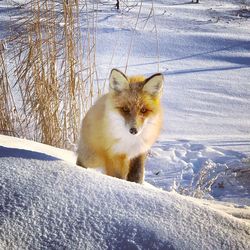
<point x="125" y="142"/>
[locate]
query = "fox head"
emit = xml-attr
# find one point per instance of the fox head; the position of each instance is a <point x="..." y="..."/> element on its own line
<point x="136" y="99"/>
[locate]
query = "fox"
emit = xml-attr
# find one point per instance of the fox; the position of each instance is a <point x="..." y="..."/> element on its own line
<point x="120" y="128"/>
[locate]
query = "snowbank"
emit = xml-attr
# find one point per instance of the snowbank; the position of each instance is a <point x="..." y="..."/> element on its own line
<point x="203" y="51"/>
<point x="47" y="203"/>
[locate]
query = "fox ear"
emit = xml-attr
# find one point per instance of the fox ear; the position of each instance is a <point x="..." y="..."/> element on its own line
<point x="118" y="81"/>
<point x="154" y="84"/>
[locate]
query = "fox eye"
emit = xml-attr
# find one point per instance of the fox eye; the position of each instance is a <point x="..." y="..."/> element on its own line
<point x="125" y="109"/>
<point x="143" y="110"/>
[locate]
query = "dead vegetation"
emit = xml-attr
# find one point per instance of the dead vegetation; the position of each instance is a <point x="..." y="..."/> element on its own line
<point x="52" y="65"/>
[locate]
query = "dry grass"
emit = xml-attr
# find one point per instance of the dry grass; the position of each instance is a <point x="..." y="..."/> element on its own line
<point x="52" y="73"/>
<point x="7" y="106"/>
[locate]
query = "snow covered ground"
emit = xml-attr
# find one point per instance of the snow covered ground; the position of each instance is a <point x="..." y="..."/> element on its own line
<point x="48" y="203"/>
<point x="203" y="151"/>
<point x="204" y="51"/>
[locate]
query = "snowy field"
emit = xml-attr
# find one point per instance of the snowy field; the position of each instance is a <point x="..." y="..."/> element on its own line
<point x="48" y="203"/>
<point x="204" y="52"/>
<point x="203" y="151"/>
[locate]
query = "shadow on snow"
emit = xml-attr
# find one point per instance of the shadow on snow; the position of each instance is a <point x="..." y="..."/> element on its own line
<point x="25" y="154"/>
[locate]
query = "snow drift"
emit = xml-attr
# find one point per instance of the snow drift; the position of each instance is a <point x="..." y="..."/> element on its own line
<point x="47" y="203"/>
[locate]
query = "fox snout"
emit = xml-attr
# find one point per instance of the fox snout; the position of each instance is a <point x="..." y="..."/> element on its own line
<point x="134" y="125"/>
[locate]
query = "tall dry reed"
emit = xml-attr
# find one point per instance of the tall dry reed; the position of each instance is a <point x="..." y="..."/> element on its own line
<point x="53" y="73"/>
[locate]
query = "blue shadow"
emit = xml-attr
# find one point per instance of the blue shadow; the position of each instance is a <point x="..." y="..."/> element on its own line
<point x="25" y="154"/>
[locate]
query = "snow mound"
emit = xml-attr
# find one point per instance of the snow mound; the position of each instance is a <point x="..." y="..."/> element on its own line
<point x="47" y="203"/>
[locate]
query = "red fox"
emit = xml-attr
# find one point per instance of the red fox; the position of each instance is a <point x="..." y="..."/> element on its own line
<point x="122" y="125"/>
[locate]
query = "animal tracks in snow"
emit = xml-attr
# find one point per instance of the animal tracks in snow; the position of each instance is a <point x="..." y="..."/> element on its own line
<point x="200" y="170"/>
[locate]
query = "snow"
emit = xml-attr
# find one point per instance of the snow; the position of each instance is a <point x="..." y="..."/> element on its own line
<point x="203" y="151"/>
<point x="54" y="153"/>
<point x="47" y="203"/>
<point x="203" y="51"/>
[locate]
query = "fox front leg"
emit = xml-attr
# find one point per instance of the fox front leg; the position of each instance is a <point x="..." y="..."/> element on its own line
<point x="79" y="163"/>
<point x="117" y="166"/>
<point x="136" y="169"/>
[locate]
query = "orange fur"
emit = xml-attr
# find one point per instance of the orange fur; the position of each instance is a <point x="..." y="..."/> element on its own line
<point x="136" y="79"/>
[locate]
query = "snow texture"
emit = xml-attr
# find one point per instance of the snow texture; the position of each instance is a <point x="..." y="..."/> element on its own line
<point x="46" y="203"/>
<point x="203" y="52"/>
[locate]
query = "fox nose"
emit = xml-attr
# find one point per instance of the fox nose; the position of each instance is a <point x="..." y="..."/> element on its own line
<point x="133" y="131"/>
